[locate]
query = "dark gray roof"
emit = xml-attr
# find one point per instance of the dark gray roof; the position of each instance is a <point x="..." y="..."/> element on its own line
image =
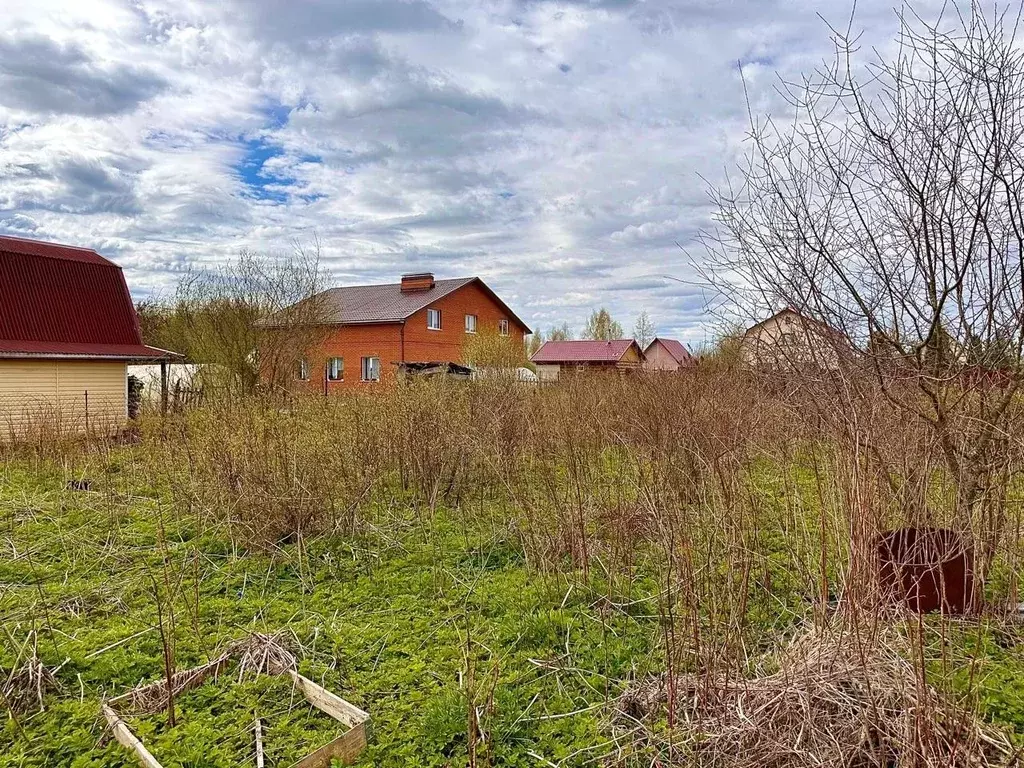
<point x="363" y="304"/>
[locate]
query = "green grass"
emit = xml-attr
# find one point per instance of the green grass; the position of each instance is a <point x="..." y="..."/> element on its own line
<point x="420" y="617"/>
<point x="410" y="625"/>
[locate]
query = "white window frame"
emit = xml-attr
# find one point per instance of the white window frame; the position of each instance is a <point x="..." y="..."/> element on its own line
<point x="471" y="323"/>
<point x="365" y="366"/>
<point x="503" y="326"/>
<point x="341" y="369"/>
<point x="302" y="374"/>
<point x="431" y="314"/>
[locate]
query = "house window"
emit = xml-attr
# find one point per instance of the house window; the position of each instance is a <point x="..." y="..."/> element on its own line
<point x="335" y="369"/>
<point x="302" y="370"/>
<point x="434" y="319"/>
<point x="470" y="323"/>
<point x="503" y="327"/>
<point x="371" y="369"/>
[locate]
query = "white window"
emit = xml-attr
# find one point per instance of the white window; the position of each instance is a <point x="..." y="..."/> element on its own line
<point x="335" y="369"/>
<point x="503" y="327"/>
<point x="470" y="323"/>
<point x="371" y="369"/>
<point x="434" y="319"/>
<point x="302" y="370"/>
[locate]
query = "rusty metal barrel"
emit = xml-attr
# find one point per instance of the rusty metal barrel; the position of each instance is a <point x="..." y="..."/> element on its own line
<point x="928" y="569"/>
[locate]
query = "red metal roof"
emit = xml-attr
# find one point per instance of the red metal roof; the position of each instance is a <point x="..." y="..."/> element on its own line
<point x="675" y="348"/>
<point x="583" y="351"/>
<point x="58" y="300"/>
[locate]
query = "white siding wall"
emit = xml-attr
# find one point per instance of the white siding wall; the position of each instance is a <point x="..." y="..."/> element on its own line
<point x="548" y="372"/>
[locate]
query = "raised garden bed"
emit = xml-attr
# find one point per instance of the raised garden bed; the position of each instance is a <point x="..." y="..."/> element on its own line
<point x="256" y="735"/>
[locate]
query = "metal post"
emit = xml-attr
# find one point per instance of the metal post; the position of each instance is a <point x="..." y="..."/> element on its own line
<point x="163" y="387"/>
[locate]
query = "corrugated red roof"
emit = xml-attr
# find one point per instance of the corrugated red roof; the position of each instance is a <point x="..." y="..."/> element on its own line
<point x="583" y="351"/>
<point x="58" y="300"/>
<point x="675" y="348"/>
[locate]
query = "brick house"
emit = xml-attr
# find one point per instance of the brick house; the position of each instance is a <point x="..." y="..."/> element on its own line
<point x="555" y="358"/>
<point x="667" y="355"/>
<point x="371" y="329"/>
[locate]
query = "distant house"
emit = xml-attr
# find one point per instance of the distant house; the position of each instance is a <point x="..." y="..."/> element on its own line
<point x="667" y="355"/>
<point x="374" y="330"/>
<point x="789" y="339"/>
<point x="68" y="331"/>
<point x="555" y="358"/>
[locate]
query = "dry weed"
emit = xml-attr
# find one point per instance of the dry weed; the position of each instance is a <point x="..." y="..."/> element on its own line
<point x="834" y="697"/>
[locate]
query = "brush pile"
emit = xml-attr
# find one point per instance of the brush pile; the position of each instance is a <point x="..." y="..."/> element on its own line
<point x="834" y="698"/>
<point x="26" y="684"/>
<point x="260" y="654"/>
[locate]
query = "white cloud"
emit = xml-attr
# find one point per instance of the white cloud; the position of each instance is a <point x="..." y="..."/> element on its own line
<point x="555" y="148"/>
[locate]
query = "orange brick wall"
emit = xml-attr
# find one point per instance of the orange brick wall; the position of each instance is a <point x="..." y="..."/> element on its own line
<point x="412" y="342"/>
<point x="447" y="344"/>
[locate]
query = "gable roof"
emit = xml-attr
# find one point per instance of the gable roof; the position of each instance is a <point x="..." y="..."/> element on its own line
<point x="675" y="348"/>
<point x="368" y="304"/>
<point x="61" y="301"/>
<point x="584" y="351"/>
<point x="810" y="321"/>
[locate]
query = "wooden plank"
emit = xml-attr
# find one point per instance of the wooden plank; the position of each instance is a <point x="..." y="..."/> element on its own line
<point x="187" y="680"/>
<point x="126" y="738"/>
<point x="346" y="749"/>
<point x="325" y="701"/>
<point x="259" y="743"/>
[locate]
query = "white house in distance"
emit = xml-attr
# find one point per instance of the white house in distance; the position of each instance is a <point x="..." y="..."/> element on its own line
<point x="789" y="339"/>
<point x="68" y="330"/>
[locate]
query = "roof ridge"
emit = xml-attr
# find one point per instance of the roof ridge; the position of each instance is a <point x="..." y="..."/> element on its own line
<point x="44" y="251"/>
<point x="388" y="285"/>
<point x="49" y="242"/>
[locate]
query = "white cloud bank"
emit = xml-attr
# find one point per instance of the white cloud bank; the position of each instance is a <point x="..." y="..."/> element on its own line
<point x="557" y="149"/>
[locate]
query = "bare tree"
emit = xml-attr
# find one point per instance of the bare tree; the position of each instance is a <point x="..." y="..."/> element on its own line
<point x="602" y="327"/>
<point x="892" y="210"/>
<point x="561" y="333"/>
<point x="644" y="330"/>
<point x="252" y="320"/>
<point x="534" y="342"/>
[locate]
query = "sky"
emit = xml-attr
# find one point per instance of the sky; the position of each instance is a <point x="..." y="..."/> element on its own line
<point x="562" y="151"/>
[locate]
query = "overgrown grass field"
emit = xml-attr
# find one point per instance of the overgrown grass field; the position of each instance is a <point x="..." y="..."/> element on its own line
<point x="417" y="626"/>
<point x="489" y="571"/>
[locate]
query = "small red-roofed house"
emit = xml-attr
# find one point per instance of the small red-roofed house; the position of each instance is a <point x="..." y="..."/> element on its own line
<point x="667" y="355"/>
<point x="556" y="358"/>
<point x="68" y="330"/>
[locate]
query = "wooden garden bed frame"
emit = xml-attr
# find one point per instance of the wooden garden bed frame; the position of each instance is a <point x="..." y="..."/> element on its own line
<point x="345" y="748"/>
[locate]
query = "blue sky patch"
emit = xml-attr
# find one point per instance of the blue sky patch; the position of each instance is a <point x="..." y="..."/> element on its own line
<point x="268" y="183"/>
<point x="263" y="184"/>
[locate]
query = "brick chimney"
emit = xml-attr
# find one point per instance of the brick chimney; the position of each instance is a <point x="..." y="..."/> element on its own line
<point x="421" y="281"/>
